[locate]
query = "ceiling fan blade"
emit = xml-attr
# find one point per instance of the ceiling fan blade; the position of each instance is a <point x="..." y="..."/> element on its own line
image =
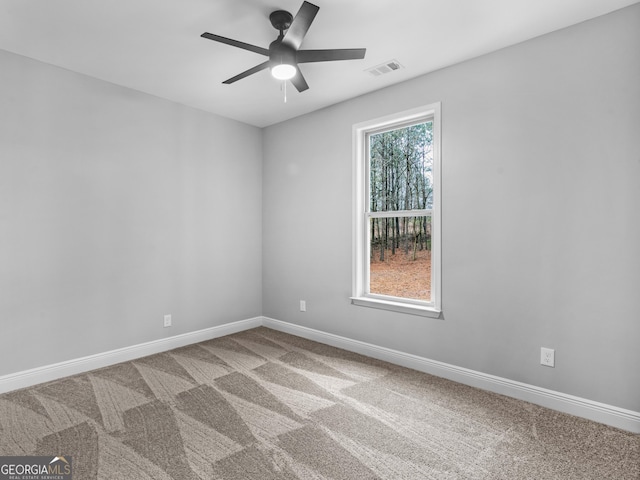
<point x="299" y="82"/>
<point x="236" y="43"/>
<point x="307" y="56"/>
<point x="300" y="25"/>
<point x="246" y="73"/>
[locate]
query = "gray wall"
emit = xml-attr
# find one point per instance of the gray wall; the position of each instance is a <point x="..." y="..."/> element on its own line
<point x="112" y="207"/>
<point x="541" y="214"/>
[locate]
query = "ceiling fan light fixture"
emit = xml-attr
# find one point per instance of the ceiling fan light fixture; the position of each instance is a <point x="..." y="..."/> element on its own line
<point x="283" y="71"/>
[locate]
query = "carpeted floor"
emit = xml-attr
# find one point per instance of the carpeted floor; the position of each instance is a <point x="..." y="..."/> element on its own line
<point x="264" y="405"/>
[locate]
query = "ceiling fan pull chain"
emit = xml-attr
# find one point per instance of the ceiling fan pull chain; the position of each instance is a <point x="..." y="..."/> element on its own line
<point x="284" y="87"/>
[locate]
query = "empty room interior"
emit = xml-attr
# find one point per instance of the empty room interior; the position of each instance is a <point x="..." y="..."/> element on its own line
<point x="187" y="267"/>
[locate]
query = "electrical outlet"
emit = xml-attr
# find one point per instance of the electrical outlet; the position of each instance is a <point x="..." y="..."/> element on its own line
<point x="547" y="357"/>
<point x="303" y="306"/>
<point x="167" y="320"/>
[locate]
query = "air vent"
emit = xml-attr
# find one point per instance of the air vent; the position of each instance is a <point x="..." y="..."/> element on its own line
<point x="386" y="67"/>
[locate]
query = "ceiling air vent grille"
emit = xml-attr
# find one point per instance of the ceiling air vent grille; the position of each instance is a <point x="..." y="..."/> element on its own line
<point x="386" y="67"/>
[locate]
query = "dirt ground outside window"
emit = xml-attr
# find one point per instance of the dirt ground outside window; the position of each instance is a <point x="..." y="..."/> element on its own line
<point x="400" y="275"/>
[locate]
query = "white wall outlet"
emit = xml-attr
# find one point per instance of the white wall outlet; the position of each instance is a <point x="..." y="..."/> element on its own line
<point x="167" y="320"/>
<point x="547" y="357"/>
<point x="303" y="305"/>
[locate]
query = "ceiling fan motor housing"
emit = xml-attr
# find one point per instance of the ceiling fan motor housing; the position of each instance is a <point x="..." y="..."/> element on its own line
<point x="281" y="54"/>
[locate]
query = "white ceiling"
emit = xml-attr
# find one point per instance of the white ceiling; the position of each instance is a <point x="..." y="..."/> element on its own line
<point x="154" y="45"/>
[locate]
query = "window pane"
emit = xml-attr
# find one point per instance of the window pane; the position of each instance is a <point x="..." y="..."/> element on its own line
<point x="401" y="169"/>
<point x="400" y="257"/>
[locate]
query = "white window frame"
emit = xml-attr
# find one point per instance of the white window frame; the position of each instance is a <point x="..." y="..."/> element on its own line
<point x="362" y="214"/>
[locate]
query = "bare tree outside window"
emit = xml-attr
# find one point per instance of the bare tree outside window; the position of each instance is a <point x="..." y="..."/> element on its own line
<point x="401" y="199"/>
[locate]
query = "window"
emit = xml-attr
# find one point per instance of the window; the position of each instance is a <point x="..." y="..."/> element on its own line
<point x="396" y="212"/>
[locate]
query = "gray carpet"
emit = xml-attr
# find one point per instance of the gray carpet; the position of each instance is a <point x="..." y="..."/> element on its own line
<point x="265" y="405"/>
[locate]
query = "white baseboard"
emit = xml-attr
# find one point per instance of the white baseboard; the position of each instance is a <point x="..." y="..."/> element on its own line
<point x="581" y="407"/>
<point x="47" y="373"/>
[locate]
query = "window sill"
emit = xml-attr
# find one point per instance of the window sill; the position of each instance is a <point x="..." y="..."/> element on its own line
<point x="400" y="307"/>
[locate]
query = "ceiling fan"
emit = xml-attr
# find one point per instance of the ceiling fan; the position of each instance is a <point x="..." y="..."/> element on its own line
<point x="284" y="52"/>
